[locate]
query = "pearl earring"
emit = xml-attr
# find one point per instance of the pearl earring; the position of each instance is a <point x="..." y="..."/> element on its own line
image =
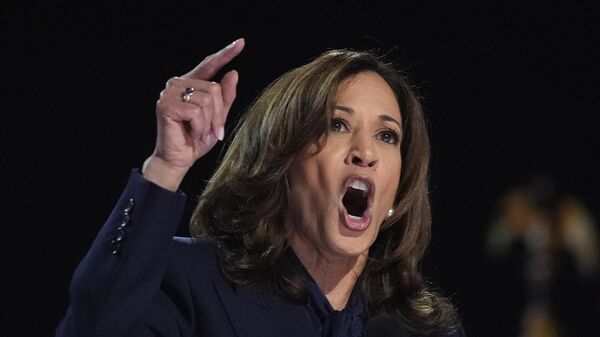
<point x="390" y="212"/>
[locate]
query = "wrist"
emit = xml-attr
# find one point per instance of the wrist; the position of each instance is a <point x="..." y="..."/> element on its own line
<point x="159" y="172"/>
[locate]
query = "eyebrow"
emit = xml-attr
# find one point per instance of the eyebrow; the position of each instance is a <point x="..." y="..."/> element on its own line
<point x="387" y="118"/>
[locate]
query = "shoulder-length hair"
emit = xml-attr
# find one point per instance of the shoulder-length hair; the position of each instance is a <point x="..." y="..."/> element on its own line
<point x="243" y="205"/>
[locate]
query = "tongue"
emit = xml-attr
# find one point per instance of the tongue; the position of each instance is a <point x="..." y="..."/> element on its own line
<point x="355" y="201"/>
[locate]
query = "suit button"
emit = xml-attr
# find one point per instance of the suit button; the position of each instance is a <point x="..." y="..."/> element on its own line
<point x="115" y="247"/>
<point x="129" y="207"/>
<point x="115" y="243"/>
<point x="125" y="221"/>
<point x="120" y="235"/>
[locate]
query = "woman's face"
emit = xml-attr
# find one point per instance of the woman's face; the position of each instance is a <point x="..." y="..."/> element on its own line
<point x="339" y="197"/>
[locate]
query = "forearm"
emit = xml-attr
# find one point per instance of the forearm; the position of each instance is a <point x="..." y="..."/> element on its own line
<point x="122" y="272"/>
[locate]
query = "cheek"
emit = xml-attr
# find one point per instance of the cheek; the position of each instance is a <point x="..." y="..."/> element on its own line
<point x="318" y="175"/>
<point x="392" y="181"/>
<point x="388" y="197"/>
<point x="304" y="181"/>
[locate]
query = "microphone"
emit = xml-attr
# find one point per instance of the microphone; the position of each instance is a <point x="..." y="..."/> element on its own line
<point x="385" y="326"/>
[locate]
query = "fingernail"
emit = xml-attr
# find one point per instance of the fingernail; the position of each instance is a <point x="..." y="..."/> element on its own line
<point x="221" y="133"/>
<point x="237" y="78"/>
<point x="233" y="43"/>
<point x="208" y="139"/>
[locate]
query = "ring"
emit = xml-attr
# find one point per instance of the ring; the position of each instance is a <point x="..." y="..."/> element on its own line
<point x="186" y="95"/>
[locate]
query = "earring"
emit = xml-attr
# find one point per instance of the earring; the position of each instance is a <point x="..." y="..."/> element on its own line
<point x="390" y="212"/>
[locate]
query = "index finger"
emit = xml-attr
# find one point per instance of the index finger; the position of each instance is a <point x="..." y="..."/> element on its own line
<point x="213" y="63"/>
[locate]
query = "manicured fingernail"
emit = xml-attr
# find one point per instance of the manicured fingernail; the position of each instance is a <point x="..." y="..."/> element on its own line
<point x="208" y="139"/>
<point x="221" y="133"/>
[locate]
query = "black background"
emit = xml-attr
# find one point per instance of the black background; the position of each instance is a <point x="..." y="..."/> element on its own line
<point x="510" y="89"/>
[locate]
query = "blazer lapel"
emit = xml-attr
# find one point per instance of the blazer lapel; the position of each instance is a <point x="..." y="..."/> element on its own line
<point x="249" y="313"/>
<point x="253" y="313"/>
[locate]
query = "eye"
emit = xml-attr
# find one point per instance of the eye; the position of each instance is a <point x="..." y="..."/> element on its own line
<point x="389" y="136"/>
<point x="339" y="125"/>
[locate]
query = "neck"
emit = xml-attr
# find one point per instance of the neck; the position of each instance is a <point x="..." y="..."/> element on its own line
<point x="336" y="276"/>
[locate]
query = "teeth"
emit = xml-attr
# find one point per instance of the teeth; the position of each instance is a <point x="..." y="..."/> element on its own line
<point x="359" y="185"/>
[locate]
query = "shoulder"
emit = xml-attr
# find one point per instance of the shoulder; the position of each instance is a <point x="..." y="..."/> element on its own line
<point x="204" y="249"/>
<point x="199" y="256"/>
<point x="200" y="243"/>
<point x="457" y="331"/>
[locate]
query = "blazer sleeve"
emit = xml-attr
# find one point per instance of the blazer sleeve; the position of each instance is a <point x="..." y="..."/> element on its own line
<point x="118" y="288"/>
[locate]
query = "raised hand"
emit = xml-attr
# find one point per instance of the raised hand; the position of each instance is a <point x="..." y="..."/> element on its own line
<point x="191" y="114"/>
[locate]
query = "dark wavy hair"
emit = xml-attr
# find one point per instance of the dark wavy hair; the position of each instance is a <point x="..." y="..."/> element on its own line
<point x="243" y="205"/>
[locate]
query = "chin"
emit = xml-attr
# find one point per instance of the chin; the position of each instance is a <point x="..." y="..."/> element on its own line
<point x="352" y="243"/>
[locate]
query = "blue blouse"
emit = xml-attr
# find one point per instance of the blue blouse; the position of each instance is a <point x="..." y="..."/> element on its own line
<point x="349" y="322"/>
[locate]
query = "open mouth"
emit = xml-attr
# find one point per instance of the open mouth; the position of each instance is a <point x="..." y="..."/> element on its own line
<point x="356" y="198"/>
<point x="356" y="202"/>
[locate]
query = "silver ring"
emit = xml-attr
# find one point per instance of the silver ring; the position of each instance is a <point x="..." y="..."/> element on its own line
<point x="187" y="94"/>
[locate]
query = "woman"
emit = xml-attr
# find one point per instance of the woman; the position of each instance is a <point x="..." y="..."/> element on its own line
<point x="313" y="224"/>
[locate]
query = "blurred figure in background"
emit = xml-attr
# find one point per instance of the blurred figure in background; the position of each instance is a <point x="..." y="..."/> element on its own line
<point x="546" y="248"/>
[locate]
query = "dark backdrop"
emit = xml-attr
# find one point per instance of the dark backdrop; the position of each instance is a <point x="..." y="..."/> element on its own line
<point x="510" y="91"/>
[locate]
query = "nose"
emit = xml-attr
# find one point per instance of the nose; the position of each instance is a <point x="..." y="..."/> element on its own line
<point x="362" y="153"/>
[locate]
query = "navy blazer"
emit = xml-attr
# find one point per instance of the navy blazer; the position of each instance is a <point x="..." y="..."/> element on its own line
<point x="137" y="280"/>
